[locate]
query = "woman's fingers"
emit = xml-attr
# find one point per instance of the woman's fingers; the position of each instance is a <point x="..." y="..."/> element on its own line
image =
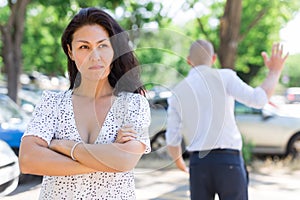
<point x="125" y="134"/>
<point x="125" y="139"/>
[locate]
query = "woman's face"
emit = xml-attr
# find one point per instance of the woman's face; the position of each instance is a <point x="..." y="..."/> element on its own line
<point x="92" y="52"/>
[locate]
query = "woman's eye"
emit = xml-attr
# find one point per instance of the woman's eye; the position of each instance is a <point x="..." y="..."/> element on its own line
<point x="83" y="47"/>
<point x="103" y="45"/>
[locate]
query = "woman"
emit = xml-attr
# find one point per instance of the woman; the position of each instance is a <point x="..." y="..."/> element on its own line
<point x="87" y="140"/>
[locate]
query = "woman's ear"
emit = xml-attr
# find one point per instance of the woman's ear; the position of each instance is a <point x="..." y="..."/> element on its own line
<point x="70" y="52"/>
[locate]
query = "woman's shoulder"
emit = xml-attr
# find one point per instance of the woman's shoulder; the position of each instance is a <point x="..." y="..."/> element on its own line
<point x="53" y="96"/>
<point x="134" y="97"/>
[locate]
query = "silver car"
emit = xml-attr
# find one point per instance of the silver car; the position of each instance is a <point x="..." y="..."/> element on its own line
<point x="269" y="129"/>
<point x="9" y="169"/>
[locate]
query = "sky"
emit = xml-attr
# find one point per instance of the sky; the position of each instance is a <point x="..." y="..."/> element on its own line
<point x="290" y="35"/>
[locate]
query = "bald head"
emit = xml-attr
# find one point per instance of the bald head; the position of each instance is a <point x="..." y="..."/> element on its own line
<point x="201" y="53"/>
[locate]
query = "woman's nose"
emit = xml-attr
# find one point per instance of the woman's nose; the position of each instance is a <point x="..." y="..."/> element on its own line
<point x="95" y="55"/>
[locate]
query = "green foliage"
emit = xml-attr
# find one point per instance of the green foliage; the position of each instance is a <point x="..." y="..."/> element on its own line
<point x="247" y="151"/>
<point x="4" y="14"/>
<point x="41" y="47"/>
<point x="47" y="19"/>
<point x="261" y="36"/>
<point x="163" y="58"/>
<point x="260" y="25"/>
<point x="291" y="72"/>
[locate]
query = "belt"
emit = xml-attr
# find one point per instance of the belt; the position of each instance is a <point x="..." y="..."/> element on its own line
<point x="225" y="151"/>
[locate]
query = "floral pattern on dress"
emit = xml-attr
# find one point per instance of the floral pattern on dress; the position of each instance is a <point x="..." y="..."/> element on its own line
<point x="54" y="118"/>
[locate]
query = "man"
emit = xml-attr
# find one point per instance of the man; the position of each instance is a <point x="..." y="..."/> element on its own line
<point x="202" y="109"/>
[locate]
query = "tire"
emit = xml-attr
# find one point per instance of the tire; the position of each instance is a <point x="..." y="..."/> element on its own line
<point x="159" y="146"/>
<point x="294" y="146"/>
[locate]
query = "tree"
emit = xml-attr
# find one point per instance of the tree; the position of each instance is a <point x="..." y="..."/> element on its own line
<point x="44" y="27"/>
<point x="230" y="33"/>
<point x="239" y="42"/>
<point x="12" y="35"/>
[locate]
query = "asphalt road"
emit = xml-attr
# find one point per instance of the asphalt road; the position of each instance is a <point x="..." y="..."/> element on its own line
<point x="161" y="181"/>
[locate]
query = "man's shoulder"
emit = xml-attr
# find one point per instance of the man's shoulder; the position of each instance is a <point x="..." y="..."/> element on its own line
<point x="183" y="84"/>
<point x="226" y="71"/>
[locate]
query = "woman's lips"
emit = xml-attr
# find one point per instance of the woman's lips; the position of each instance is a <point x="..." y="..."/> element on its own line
<point x="96" y="67"/>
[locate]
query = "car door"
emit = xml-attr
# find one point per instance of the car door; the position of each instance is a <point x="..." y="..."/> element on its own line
<point x="264" y="129"/>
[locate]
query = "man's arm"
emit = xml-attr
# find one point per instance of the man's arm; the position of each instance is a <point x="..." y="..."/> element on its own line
<point x="176" y="153"/>
<point x="275" y="64"/>
<point x="173" y="135"/>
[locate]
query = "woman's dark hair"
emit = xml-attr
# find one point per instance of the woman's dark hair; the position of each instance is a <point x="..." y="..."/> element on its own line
<point x="125" y="72"/>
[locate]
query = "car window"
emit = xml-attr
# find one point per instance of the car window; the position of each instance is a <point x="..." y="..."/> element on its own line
<point x="243" y="109"/>
<point x="8" y="110"/>
<point x="159" y="103"/>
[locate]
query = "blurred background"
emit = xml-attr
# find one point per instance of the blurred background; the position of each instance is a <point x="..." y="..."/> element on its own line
<point x="161" y="31"/>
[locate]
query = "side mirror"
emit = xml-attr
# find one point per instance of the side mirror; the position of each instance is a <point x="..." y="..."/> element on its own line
<point x="267" y="114"/>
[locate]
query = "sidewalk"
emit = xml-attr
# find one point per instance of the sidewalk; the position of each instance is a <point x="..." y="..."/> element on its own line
<point x="159" y="180"/>
<point x="172" y="184"/>
<point x="161" y="184"/>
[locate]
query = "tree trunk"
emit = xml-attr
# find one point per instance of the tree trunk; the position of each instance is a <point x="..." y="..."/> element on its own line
<point x="229" y="33"/>
<point x="12" y="36"/>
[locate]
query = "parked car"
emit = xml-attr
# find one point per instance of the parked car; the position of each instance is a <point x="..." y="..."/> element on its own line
<point x="268" y="130"/>
<point x="28" y="98"/>
<point x="158" y="126"/>
<point x="13" y="122"/>
<point x="292" y="95"/>
<point x="9" y="169"/>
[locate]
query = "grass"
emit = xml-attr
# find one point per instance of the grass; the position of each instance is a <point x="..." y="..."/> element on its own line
<point x="274" y="164"/>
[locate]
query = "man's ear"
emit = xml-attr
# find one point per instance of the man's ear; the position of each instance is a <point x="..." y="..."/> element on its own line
<point x="214" y="58"/>
<point x="70" y="52"/>
<point x="188" y="60"/>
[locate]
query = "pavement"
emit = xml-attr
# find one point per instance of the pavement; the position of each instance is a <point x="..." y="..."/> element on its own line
<point x="172" y="184"/>
<point x="162" y="181"/>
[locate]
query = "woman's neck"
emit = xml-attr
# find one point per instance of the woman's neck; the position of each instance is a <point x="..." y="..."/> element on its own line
<point x="92" y="90"/>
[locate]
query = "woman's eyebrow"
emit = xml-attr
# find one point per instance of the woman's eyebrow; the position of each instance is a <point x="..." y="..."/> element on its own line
<point x="84" y="41"/>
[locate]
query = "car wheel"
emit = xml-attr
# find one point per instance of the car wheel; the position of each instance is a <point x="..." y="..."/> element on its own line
<point x="294" y="146"/>
<point x="159" y="146"/>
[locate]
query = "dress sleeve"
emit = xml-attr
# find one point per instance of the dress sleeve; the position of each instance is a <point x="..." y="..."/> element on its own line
<point x="44" y="118"/>
<point x="138" y="114"/>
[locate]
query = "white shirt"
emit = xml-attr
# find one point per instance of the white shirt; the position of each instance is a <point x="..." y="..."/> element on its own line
<point x="202" y="109"/>
<point x="54" y="118"/>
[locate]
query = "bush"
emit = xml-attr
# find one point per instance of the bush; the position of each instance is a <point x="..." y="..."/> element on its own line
<point x="247" y="151"/>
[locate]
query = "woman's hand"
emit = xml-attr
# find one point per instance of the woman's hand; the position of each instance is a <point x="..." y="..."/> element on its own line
<point x="125" y="134"/>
